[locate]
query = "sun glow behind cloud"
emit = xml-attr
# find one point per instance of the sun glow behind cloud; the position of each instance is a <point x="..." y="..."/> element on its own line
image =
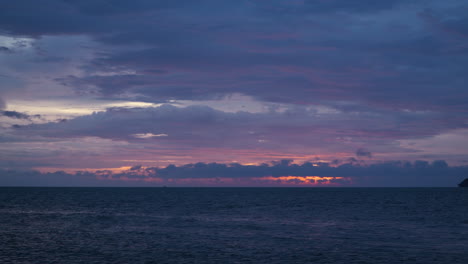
<point x="305" y="180"/>
<point x="284" y="181"/>
<point x="141" y="174"/>
<point x="67" y="108"/>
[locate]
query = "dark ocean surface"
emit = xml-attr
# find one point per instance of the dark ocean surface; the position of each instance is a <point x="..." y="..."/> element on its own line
<point x="233" y="225"/>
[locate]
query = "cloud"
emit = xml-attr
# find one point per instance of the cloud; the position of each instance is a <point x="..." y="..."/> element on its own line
<point x="5" y="49"/>
<point x="329" y="6"/>
<point x="288" y="168"/>
<point x="170" y="134"/>
<point x="136" y="167"/>
<point x="321" y="51"/>
<point x="18" y="115"/>
<point x="46" y="179"/>
<point x="148" y="135"/>
<point x="222" y="64"/>
<point x="281" y="173"/>
<point x="295" y="129"/>
<point x="363" y="153"/>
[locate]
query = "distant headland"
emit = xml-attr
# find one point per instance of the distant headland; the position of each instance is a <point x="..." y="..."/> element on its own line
<point x="464" y="183"/>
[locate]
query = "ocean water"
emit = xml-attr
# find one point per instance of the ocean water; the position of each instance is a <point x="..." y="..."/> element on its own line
<point x="233" y="225"/>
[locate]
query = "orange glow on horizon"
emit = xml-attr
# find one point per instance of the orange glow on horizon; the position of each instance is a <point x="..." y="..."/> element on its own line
<point x="267" y="181"/>
<point x="304" y="180"/>
<point x="75" y="170"/>
<point x="126" y="174"/>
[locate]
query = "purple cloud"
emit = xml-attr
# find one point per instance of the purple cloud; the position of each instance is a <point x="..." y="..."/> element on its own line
<point x="187" y="51"/>
<point x="202" y="126"/>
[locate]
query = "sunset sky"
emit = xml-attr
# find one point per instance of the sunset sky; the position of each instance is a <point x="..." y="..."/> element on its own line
<point x="276" y="93"/>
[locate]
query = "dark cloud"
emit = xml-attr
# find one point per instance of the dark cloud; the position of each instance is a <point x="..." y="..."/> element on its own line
<point x="136" y="167"/>
<point x="395" y="173"/>
<point x="54" y="17"/>
<point x="77" y="16"/>
<point x="363" y="153"/>
<point x="299" y="52"/>
<point x="58" y="178"/>
<point x="387" y="170"/>
<point x="5" y="49"/>
<point x="14" y="114"/>
<point x="329" y="6"/>
<point x="18" y="115"/>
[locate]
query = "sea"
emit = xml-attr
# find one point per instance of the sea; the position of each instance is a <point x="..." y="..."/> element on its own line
<point x="233" y="225"/>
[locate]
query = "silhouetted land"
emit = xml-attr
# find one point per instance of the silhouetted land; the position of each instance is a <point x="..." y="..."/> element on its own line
<point x="464" y="183"/>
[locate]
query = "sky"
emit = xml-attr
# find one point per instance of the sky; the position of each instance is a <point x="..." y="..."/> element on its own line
<point x="233" y="93"/>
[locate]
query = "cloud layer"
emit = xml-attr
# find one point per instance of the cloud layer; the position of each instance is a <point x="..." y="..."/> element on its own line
<point x="281" y="173"/>
<point x="298" y="128"/>
<point x="395" y="55"/>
